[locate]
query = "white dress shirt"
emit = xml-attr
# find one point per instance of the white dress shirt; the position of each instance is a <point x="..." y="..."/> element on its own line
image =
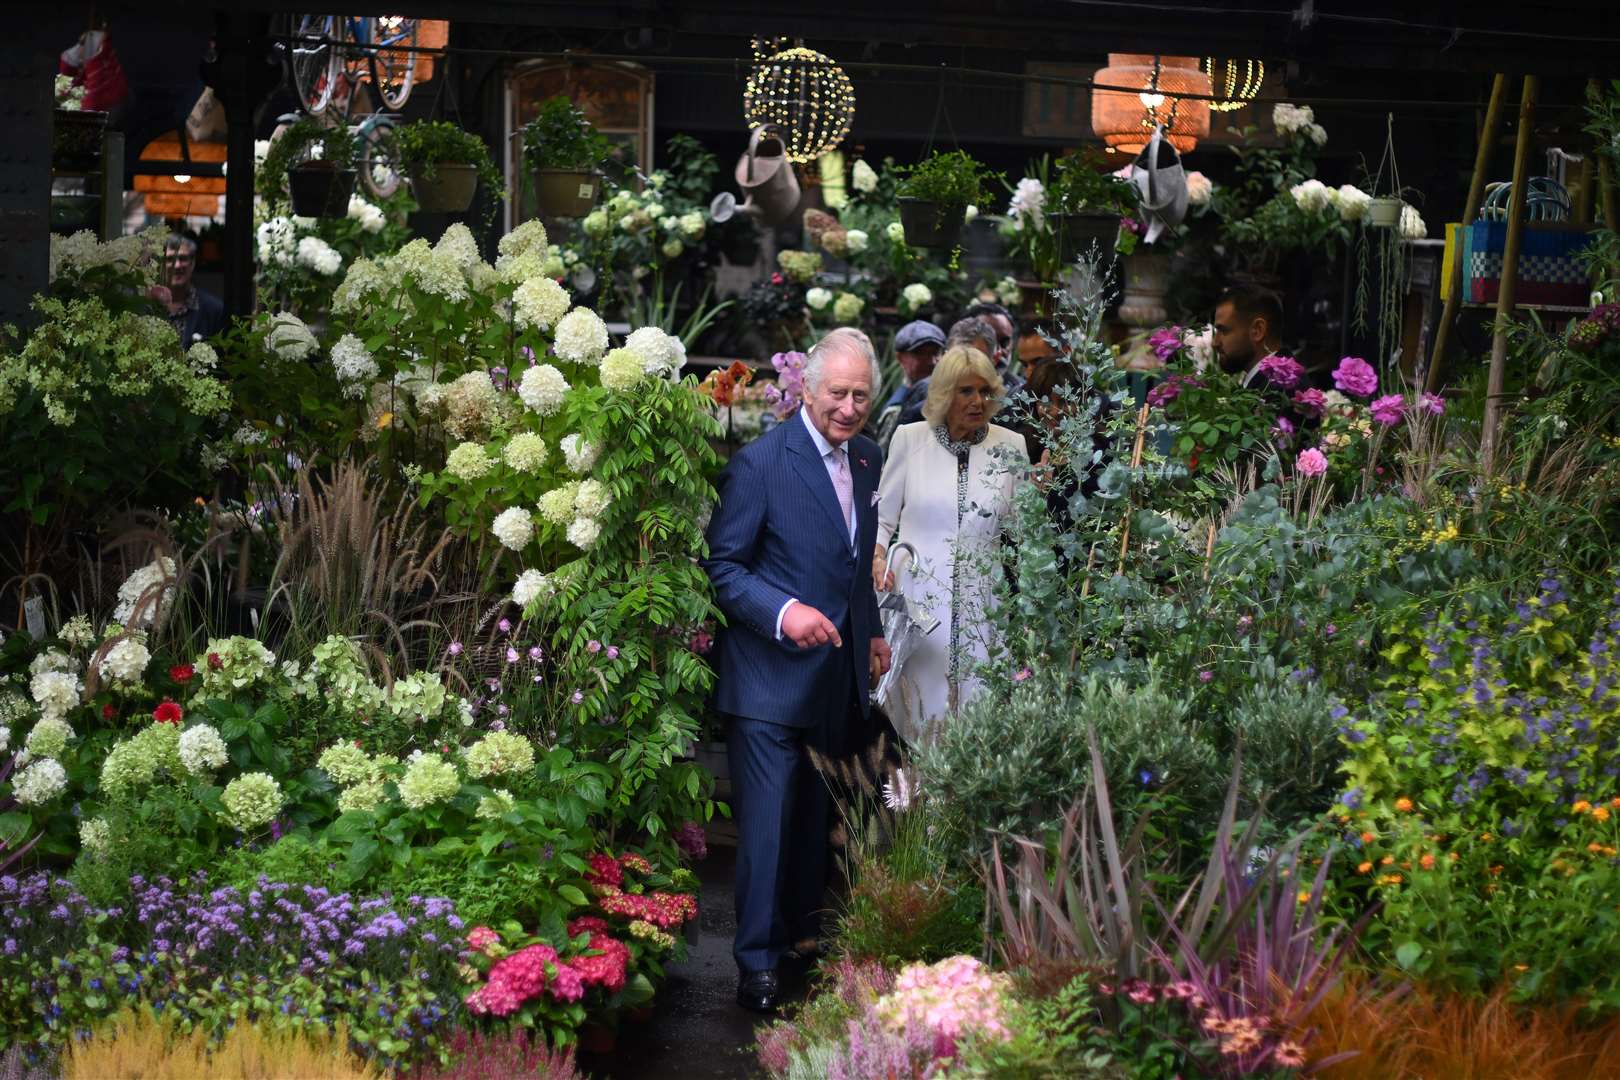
<point x="829" y="458"/>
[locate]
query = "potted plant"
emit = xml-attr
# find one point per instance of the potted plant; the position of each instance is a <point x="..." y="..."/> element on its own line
<point x="935" y="195"/>
<point x="1084" y="204"/>
<point x="314" y="165"/>
<point x="444" y="164"/>
<point x="563" y="151"/>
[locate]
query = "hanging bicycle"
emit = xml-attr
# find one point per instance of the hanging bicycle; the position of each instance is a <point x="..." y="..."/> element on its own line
<point x="331" y="56"/>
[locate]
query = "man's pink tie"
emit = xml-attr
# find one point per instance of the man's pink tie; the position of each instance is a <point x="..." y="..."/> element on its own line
<point x="844" y="485"/>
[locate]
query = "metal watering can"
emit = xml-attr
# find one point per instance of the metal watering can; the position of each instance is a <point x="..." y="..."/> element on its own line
<point x="766" y="178"/>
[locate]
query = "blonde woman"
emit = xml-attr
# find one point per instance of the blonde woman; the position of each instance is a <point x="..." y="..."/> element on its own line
<point x="946" y="486"/>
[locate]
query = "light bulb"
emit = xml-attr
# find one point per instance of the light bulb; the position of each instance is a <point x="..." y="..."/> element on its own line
<point x="1152" y="101"/>
<point x="182" y="178"/>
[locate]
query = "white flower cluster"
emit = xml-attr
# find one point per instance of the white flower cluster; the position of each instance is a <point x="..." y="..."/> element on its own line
<point x="55" y="692"/>
<point x="532" y="585"/>
<point x="289" y="338"/>
<point x="317" y="255"/>
<point x="818" y="298"/>
<point x="468" y="461"/>
<point x="1298" y="120"/>
<point x="581" y="337"/>
<point x="915" y="296"/>
<point x="77" y="632"/>
<point x="662" y="355"/>
<point x="432" y="271"/>
<point x="202" y="356"/>
<point x="863" y="178"/>
<point x="354" y="365"/>
<point x="622" y="370"/>
<point x="542" y="388"/>
<point x="371" y="218"/>
<point x="525" y="452"/>
<point x="84" y="251"/>
<point x="41" y="781"/>
<point x="1200" y="345"/>
<point x="856" y="241"/>
<point x="1312" y="196"/>
<point x="528" y="239"/>
<point x="1028" y="200"/>
<point x="125" y="662"/>
<point x="1412" y="226"/>
<point x="146" y="595"/>
<point x="1199" y="188"/>
<point x="457" y="243"/>
<point x="49" y="738"/>
<point x="557" y="505"/>
<point x="277" y="242"/>
<point x="579" y="454"/>
<point x="514" y="528"/>
<point x="202" y="750"/>
<point x="538" y="303"/>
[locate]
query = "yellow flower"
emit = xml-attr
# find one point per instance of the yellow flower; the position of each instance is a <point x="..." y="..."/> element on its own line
<point x="1581" y="806"/>
<point x="1601" y="813"/>
<point x="1521" y="967"/>
<point x="385" y="420"/>
<point x="1304" y="896"/>
<point x="1403" y="804"/>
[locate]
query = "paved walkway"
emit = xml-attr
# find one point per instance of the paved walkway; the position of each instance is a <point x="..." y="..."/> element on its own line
<point x="696" y="1029"/>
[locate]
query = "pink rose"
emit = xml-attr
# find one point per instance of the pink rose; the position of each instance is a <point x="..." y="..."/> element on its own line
<point x="1388" y="409"/>
<point x="1355" y="376"/>
<point x="1283" y="371"/>
<point x="1312" y="462"/>
<point x="1312" y="402"/>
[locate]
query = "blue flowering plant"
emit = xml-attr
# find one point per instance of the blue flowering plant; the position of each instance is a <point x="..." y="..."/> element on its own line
<point x="1482" y="792"/>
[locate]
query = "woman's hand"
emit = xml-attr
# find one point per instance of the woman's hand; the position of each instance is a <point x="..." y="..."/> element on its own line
<point x="882" y="579"/>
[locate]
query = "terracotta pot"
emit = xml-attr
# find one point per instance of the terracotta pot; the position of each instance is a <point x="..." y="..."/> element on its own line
<point x="566" y="193"/>
<point x="448" y="191"/>
<point x="931" y="225"/>
<point x="320" y="190"/>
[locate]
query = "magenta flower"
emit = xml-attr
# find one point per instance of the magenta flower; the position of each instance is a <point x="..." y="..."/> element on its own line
<point x="1206" y="676"/>
<point x="612" y="652"/>
<point x="1355" y="376"/>
<point x="1388" y="409"/>
<point x="577" y="697"/>
<point x="1023" y="675"/>
<point x="1310" y="401"/>
<point x="504" y="626"/>
<point x="1283" y="371"/>
<point x="1434" y="403"/>
<point x="1284" y="426"/>
<point x="511" y="655"/>
<point x="1165" y="342"/>
<point x="1312" y="462"/>
<point x="1170" y="389"/>
<point x="593" y="646"/>
<point x="535" y="653"/>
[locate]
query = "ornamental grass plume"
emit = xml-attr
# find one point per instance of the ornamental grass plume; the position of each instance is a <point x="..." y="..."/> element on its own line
<point x="139" y="1044"/>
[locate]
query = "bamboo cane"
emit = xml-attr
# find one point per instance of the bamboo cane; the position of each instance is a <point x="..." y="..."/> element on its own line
<point x="1476" y="194"/>
<point x="1510" y="274"/>
<point x="1136" y="463"/>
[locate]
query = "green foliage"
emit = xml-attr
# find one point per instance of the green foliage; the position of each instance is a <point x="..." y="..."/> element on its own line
<point x="951" y="178"/>
<point x="81" y="389"/>
<point x="907" y="903"/>
<point x="1051" y="1038"/>
<point x="1084" y="183"/>
<point x="424" y="144"/>
<point x="1289" y="737"/>
<point x="293" y="146"/>
<point x="560" y="137"/>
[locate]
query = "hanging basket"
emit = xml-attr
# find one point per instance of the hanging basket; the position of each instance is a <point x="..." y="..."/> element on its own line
<point x="566" y="193"/>
<point x="319" y="190"/>
<point x="931" y="225"/>
<point x="1384" y="213"/>
<point x="448" y="191"/>
<point x="1076" y="233"/>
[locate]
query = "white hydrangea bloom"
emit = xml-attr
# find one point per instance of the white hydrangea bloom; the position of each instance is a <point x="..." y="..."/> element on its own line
<point x="525" y="452"/>
<point x="40" y="782"/>
<point x="538" y="303"/>
<point x="592" y="498"/>
<point x="289" y="338"/>
<point x="471" y="405"/>
<point x="458" y="244"/>
<point x="896" y="232"/>
<point x="557" y="505"/>
<point x="277" y="242"/>
<point x="125" y="661"/>
<point x="863" y="177"/>
<point x="584" y="532"/>
<point x="530" y="586"/>
<point x="818" y="298"/>
<point x="513" y="527"/>
<point x="371" y="218"/>
<point x="856" y="241"/>
<point x="144" y="583"/>
<point x="1199" y="188"/>
<point x="202" y="356"/>
<point x="529" y="236"/>
<point x="432" y="271"/>
<point x="916" y="295"/>
<point x="581" y="336"/>
<point x="354" y="364"/>
<point x="1312" y="196"/>
<point x="579" y="455"/>
<point x="202" y="750"/>
<point x="1351" y="201"/>
<point x="49" y="737"/>
<point x="691" y="224"/>
<point x="53" y="660"/>
<point x="1292" y="119"/>
<point x="319" y="256"/>
<point x="621" y="370"/>
<point x="542" y="389"/>
<point x="1412" y="226"/>
<point x="363" y="279"/>
<point x="468" y="461"/>
<point x="78" y="632"/>
<point x="660" y="352"/>
<point x="95" y="836"/>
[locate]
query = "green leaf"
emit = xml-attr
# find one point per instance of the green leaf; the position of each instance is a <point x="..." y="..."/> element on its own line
<point x="1407" y="955"/>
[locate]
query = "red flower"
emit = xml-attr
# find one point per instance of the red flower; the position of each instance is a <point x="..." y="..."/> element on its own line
<point x="168" y="713"/>
<point x="214" y="662"/>
<point x="108" y="712"/>
<point x="604" y="871"/>
<point x="632" y="861"/>
<point x="182" y="673"/>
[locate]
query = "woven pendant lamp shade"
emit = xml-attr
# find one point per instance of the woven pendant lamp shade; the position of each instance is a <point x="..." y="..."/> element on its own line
<point x="1125" y="119"/>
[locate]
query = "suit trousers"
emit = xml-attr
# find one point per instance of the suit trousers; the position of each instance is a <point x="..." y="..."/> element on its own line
<point x="783" y="811"/>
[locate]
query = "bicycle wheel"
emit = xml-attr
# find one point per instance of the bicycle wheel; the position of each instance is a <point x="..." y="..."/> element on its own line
<point x="393" y="65"/>
<point x="314" y="61"/>
<point x="376" y="157"/>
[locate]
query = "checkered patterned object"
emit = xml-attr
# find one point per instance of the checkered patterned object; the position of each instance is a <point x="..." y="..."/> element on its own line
<point x="1548" y="270"/>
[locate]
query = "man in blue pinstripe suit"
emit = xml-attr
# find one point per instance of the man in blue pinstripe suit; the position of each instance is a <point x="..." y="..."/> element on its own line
<point x="790" y="556"/>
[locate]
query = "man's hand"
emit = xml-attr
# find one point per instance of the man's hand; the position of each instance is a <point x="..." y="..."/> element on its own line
<point x="882" y="659"/>
<point x="808" y="628"/>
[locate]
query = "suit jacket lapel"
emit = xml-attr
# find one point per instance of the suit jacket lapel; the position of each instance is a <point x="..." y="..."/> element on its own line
<point x="813" y="471"/>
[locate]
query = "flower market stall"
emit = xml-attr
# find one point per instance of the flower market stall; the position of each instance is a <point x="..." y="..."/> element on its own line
<point x="357" y="655"/>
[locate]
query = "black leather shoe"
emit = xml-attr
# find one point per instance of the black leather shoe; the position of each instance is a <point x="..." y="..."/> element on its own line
<point x="759" y="991"/>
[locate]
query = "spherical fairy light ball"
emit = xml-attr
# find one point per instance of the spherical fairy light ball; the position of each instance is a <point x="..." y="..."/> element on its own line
<point x="806" y="97"/>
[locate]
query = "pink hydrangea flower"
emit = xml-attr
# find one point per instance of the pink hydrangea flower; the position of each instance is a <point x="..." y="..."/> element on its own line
<point x="1312" y="462"/>
<point x="1356" y="377"/>
<point x="1283" y="371"/>
<point x="1388" y="409"/>
<point x="480" y="938"/>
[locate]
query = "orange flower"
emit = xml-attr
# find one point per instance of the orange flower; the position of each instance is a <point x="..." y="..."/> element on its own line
<point x="740" y="373"/>
<point x="1390" y="879"/>
<point x="1364" y="868"/>
<point x="1304" y="896"/>
<point x="1581" y="806"/>
<point x="1403" y="804"/>
<point x="1368" y="837"/>
<point x="1521" y="967"/>
<point x="1601" y="813"/>
<point x="1495" y="870"/>
<point x="1427" y="862"/>
<point x="1595" y="848"/>
<point x="1386" y="860"/>
<point x="1486" y="837"/>
<point x="1615" y="802"/>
